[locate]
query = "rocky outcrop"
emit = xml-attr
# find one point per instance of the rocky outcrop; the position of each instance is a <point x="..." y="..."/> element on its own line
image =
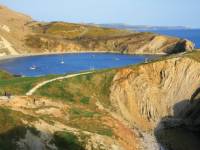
<point x="163" y="44"/>
<point x="161" y="97"/>
<point x="145" y="94"/>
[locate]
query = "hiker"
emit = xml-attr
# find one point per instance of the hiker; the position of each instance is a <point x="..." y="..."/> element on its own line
<point x="34" y="100"/>
<point x="9" y="95"/>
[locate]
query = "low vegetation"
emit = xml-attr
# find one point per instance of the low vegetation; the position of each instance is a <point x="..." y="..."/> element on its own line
<point x="85" y="100"/>
<point x="74" y="89"/>
<point x="77" y="113"/>
<point x="19" y="85"/>
<point x="73" y="31"/>
<point x="5" y="75"/>
<point x="67" y="140"/>
<point x="91" y="124"/>
<point x="83" y="113"/>
<point x="10" y="118"/>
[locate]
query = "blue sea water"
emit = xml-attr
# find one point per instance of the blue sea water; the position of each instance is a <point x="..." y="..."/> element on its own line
<point x="190" y="34"/>
<point x="73" y="63"/>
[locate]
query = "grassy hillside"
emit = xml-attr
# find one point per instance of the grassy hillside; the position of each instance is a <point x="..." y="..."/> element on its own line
<point x="83" y="100"/>
<point x="73" y="89"/>
<point x="61" y="36"/>
<point x="19" y="85"/>
<point x="73" y="31"/>
<point x="82" y="112"/>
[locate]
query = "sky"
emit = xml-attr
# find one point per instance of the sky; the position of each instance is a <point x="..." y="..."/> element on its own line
<point x="132" y="12"/>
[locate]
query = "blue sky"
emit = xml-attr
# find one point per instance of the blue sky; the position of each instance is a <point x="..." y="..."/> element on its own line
<point x="134" y="12"/>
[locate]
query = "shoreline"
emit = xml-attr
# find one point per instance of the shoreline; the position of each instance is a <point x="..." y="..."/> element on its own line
<point x="76" y="52"/>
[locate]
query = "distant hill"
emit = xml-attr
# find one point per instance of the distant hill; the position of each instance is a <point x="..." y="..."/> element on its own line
<point x="140" y="27"/>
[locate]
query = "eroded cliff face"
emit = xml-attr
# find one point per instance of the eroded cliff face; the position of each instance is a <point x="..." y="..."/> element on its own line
<point x="146" y="93"/>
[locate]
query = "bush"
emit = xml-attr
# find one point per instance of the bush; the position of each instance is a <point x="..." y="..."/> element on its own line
<point x="77" y="112"/>
<point x="85" y="100"/>
<point x="67" y="141"/>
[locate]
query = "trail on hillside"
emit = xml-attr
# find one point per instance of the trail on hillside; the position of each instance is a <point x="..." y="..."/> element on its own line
<point x="34" y="89"/>
<point x="82" y="31"/>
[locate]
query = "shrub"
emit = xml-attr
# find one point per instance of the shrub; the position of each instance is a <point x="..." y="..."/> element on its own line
<point x="85" y="100"/>
<point x="67" y="141"/>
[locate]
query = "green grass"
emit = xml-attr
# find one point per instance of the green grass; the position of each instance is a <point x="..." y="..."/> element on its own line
<point x="88" y="120"/>
<point x="105" y="131"/>
<point x="56" y="90"/>
<point x="67" y="141"/>
<point x="78" y="112"/>
<point x="20" y="85"/>
<point x="85" y="100"/>
<point x="94" y="125"/>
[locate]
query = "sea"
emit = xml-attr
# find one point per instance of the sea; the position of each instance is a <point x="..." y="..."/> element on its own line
<point x="32" y="66"/>
<point x="190" y="34"/>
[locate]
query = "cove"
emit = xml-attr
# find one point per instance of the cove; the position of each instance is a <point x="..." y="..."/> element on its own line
<point x="33" y="66"/>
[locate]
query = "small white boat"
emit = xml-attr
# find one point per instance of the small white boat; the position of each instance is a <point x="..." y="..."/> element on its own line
<point x="116" y="59"/>
<point x="33" y="67"/>
<point x="62" y="61"/>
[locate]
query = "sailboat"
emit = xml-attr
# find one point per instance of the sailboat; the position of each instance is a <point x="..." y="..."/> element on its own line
<point x="62" y="61"/>
<point x="33" y="67"/>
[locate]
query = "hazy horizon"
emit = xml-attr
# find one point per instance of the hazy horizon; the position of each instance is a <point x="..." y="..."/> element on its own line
<point x="130" y="12"/>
